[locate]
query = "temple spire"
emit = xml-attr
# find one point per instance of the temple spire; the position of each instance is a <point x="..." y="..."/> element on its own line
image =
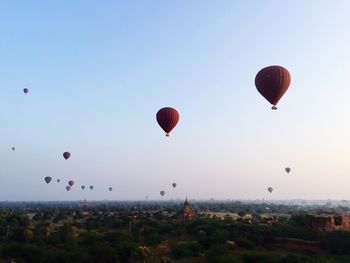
<point x="187" y="212"/>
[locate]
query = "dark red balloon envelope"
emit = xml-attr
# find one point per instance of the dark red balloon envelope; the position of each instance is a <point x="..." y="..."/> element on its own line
<point x="167" y="119"/>
<point x="66" y="155"/>
<point x="272" y="82"/>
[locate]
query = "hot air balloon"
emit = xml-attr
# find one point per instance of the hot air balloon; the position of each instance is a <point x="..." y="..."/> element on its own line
<point x="58" y="180"/>
<point x="91" y="187"/>
<point x="270" y="189"/>
<point x="66" y="155"/>
<point x="110" y="189"/>
<point x="287" y="170"/>
<point x="272" y="82"/>
<point x="162" y="193"/>
<point x="13" y="148"/>
<point x="67" y="187"/>
<point x="167" y="119"/>
<point x="25" y="90"/>
<point x="48" y="179"/>
<point x="174" y="185"/>
<point x="83" y="187"/>
<point x="71" y="183"/>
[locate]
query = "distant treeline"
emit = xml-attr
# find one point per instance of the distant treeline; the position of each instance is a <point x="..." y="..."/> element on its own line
<point x="151" y="232"/>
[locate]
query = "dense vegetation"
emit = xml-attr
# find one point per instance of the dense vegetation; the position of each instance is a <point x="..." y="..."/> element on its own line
<point x="153" y="232"/>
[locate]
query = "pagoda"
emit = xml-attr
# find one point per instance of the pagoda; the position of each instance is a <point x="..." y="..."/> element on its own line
<point x="187" y="212"/>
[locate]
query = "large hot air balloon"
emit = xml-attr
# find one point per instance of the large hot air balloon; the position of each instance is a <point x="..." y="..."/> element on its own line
<point x="91" y="187"/>
<point x="270" y="189"/>
<point x="58" y="180"/>
<point x="83" y="187"/>
<point x="162" y="193"/>
<point x="66" y="155"/>
<point x="272" y="82"/>
<point x="71" y="183"/>
<point x="174" y="185"/>
<point x="287" y="170"/>
<point x="167" y="119"/>
<point x="25" y="90"/>
<point x="13" y="148"/>
<point x="48" y="179"/>
<point x="67" y="187"/>
<point x="110" y="189"/>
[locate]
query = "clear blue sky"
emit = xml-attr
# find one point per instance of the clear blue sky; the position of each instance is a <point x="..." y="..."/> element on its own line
<point x="98" y="71"/>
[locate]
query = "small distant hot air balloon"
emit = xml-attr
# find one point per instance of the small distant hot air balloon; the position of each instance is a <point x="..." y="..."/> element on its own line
<point x="287" y="170"/>
<point x="91" y="187"/>
<point x="110" y="189"/>
<point x="167" y="119"/>
<point x="13" y="148"/>
<point x="66" y="155"/>
<point x="83" y="187"/>
<point x="48" y="179"/>
<point x="25" y="90"/>
<point x="162" y="193"/>
<point x="71" y="183"/>
<point x="272" y="82"/>
<point x="58" y="180"/>
<point x="174" y="185"/>
<point x="270" y="189"/>
<point x="67" y="187"/>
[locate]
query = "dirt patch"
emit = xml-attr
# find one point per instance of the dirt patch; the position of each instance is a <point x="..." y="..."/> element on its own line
<point x="299" y="245"/>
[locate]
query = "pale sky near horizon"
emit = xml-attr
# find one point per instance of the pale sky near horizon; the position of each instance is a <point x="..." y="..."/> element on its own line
<point x="98" y="71"/>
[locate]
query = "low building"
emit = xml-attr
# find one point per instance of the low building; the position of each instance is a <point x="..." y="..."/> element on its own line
<point x="327" y="223"/>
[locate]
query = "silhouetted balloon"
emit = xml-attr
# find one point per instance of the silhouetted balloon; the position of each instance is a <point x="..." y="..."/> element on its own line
<point x="167" y="119"/>
<point x="58" y="180"/>
<point x="270" y="189"/>
<point x="91" y="187"/>
<point x="272" y="82"/>
<point x="66" y="155"/>
<point x="25" y="90"/>
<point x="71" y="183"/>
<point x="110" y="189"/>
<point x="174" y="185"/>
<point x="48" y="179"/>
<point x="162" y="193"/>
<point x="67" y="187"/>
<point x="288" y="170"/>
<point x="13" y="148"/>
<point x="83" y="187"/>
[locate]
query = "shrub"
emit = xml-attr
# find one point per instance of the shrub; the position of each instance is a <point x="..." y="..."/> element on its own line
<point x="185" y="249"/>
<point x="245" y="243"/>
